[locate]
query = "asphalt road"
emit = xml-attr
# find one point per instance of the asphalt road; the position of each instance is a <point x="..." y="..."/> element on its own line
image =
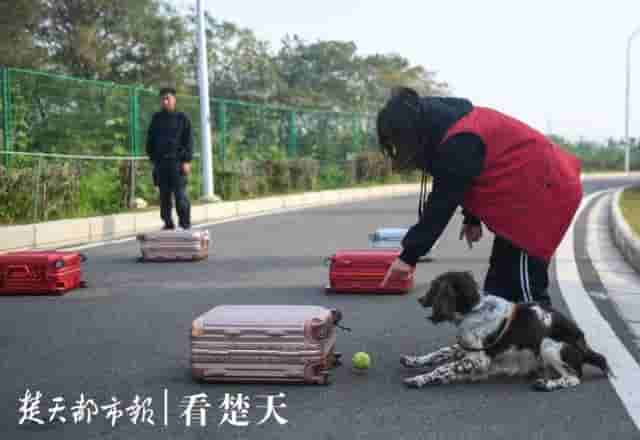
<point x="127" y="335"/>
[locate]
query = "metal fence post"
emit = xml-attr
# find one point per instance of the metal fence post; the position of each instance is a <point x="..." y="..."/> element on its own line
<point x="222" y="131"/>
<point x="133" y="141"/>
<point x="366" y="133"/>
<point x="355" y="133"/>
<point x="136" y="122"/>
<point x="6" y="113"/>
<point x="293" y="134"/>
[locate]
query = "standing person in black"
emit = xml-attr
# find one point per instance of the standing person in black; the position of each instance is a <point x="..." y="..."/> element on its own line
<point x="170" y="148"/>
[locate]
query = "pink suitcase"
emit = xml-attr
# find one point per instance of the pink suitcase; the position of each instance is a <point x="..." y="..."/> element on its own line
<point x="265" y="343"/>
<point x="362" y="271"/>
<point x="174" y="245"/>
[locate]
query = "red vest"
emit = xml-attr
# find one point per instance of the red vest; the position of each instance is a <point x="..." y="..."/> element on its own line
<point x="529" y="189"/>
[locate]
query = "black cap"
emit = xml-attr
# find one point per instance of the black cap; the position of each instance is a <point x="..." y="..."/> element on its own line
<point x="167" y="91"/>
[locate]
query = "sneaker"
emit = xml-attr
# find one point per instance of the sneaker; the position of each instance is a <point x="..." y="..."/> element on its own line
<point x="168" y="227"/>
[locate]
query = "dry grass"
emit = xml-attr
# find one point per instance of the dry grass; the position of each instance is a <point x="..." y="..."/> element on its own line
<point x="630" y="207"/>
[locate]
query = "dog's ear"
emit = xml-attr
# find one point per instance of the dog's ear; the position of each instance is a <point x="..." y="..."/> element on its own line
<point x="467" y="291"/>
<point x="427" y="299"/>
<point x="444" y="302"/>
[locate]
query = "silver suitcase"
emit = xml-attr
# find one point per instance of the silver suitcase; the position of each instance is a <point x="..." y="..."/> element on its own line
<point x="390" y="238"/>
<point x="174" y="245"/>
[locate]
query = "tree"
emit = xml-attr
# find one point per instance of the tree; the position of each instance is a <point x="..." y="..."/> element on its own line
<point x="116" y="40"/>
<point x="18" y="22"/>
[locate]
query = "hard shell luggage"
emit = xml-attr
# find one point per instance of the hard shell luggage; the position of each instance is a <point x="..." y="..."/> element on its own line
<point x="265" y="343"/>
<point x="362" y="271"/>
<point x="40" y="272"/>
<point x="174" y="245"/>
<point x="390" y="238"/>
<point x="387" y="238"/>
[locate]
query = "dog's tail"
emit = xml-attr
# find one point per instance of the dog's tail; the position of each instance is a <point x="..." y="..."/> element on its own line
<point x="594" y="358"/>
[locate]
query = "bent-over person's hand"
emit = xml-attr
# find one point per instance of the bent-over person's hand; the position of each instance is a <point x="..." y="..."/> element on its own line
<point x="398" y="267"/>
<point x="185" y="168"/>
<point x="472" y="233"/>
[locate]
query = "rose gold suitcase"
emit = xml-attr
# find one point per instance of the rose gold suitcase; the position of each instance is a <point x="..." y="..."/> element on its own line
<point x="174" y="245"/>
<point x="265" y="343"/>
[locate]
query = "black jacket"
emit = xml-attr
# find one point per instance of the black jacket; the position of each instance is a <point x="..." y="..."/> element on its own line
<point x="453" y="165"/>
<point x="170" y="137"/>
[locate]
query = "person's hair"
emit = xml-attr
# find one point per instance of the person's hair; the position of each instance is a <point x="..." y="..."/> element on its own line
<point x="398" y="122"/>
<point x="167" y="91"/>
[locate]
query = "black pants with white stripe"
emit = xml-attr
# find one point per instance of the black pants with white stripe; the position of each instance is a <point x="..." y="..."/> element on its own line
<point x="516" y="276"/>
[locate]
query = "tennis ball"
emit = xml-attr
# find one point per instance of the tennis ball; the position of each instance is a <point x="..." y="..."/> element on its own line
<point x="361" y="360"/>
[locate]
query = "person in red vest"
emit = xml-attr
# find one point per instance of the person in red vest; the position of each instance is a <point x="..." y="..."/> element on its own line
<point x="503" y="173"/>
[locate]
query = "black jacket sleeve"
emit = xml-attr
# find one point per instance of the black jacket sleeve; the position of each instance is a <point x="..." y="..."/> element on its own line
<point x="458" y="161"/>
<point x="151" y="141"/>
<point x="187" y="141"/>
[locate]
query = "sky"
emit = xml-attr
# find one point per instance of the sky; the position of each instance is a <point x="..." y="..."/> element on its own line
<point x="557" y="65"/>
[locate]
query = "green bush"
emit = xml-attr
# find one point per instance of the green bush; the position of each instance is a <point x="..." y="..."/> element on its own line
<point x="303" y="174"/>
<point x="350" y="172"/>
<point x="38" y="192"/>
<point x="277" y="176"/>
<point x="372" y="167"/>
<point x="332" y="177"/>
<point x="227" y="184"/>
<point x="100" y="192"/>
<point x="16" y="195"/>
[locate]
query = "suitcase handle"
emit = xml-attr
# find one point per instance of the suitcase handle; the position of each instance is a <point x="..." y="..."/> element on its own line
<point x="18" y="271"/>
<point x="232" y="332"/>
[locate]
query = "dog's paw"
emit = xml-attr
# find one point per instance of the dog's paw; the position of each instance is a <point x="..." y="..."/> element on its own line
<point x="542" y="385"/>
<point x="409" y="361"/>
<point x="413" y="382"/>
<point x="556" y="384"/>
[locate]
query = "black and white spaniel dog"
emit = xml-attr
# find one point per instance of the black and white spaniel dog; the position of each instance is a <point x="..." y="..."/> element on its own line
<point x="498" y="337"/>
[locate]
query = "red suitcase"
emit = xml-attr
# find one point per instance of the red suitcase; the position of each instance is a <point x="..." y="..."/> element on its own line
<point x="265" y="343"/>
<point x="40" y="272"/>
<point x="362" y="271"/>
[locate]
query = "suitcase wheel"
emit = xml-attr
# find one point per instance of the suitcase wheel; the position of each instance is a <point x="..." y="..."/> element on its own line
<point x="337" y="359"/>
<point x="326" y="379"/>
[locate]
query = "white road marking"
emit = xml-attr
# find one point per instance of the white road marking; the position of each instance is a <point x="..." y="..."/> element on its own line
<point x="597" y="330"/>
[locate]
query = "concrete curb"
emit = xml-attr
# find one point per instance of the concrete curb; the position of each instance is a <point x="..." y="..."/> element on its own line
<point x="623" y="236"/>
<point x="55" y="234"/>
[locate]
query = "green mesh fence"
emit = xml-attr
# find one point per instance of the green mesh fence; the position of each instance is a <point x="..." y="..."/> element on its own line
<point x="73" y="147"/>
<point x="56" y="114"/>
<point x="88" y="138"/>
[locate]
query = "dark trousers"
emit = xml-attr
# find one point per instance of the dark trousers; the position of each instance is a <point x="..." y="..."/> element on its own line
<point x="516" y="276"/>
<point x="172" y="182"/>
